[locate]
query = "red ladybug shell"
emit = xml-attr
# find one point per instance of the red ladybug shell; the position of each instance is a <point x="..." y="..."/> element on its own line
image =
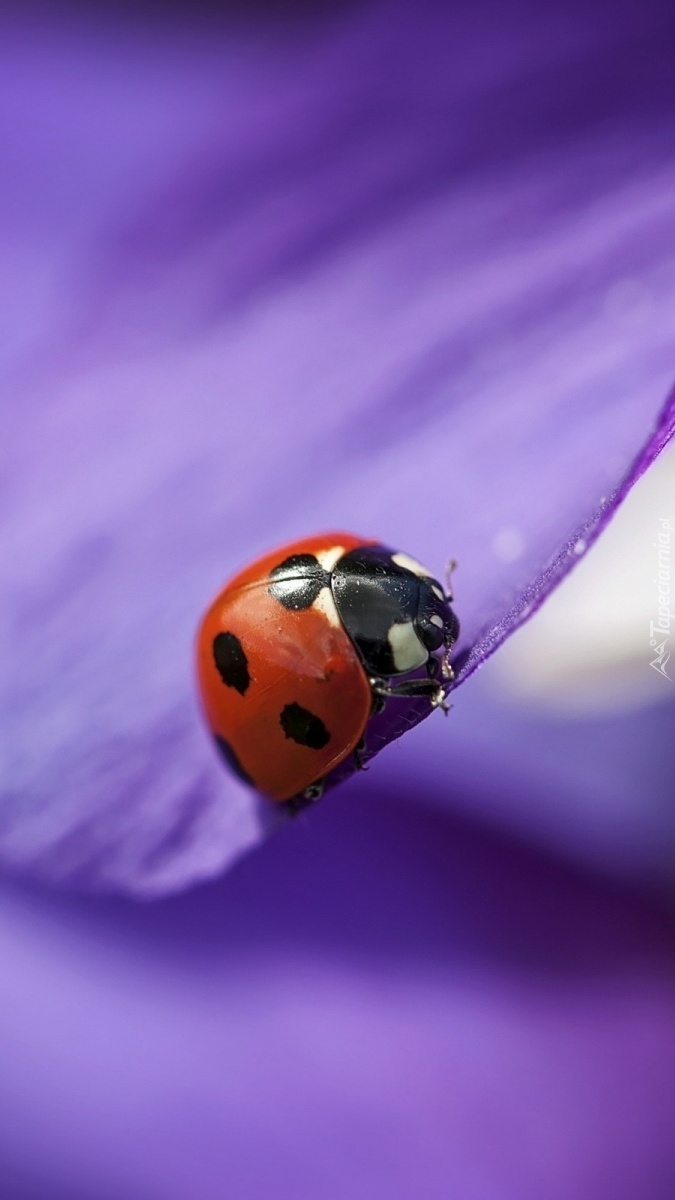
<point x="284" y="692"/>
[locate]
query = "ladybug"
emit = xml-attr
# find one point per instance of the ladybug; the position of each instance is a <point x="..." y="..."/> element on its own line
<point x="305" y="645"/>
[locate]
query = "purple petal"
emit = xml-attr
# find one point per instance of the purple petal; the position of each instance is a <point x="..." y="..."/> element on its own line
<point x="409" y="274"/>
<point x="597" y="789"/>
<point x="391" y="1004"/>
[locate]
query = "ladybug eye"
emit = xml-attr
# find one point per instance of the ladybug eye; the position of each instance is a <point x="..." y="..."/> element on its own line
<point x="432" y="631"/>
<point x="451" y="629"/>
<point x="435" y="620"/>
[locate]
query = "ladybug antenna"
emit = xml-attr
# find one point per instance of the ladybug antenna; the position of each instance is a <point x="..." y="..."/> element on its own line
<point x="451" y="566"/>
<point x="446" y="667"/>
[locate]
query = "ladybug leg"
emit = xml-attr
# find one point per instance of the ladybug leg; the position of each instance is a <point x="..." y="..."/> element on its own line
<point x="435" y="667"/>
<point x="444" y="666"/>
<point x="447" y="671"/>
<point x="311" y="794"/>
<point x="432" y="667"/>
<point x="358" y="752"/>
<point x="412" y="687"/>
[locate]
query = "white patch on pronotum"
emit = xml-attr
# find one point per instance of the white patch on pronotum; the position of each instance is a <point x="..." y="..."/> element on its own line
<point x="411" y="564"/>
<point x="406" y="648"/>
<point x="329" y="557"/>
<point x="437" y="592"/>
<point x="436" y="620"/>
<point x="326" y="604"/>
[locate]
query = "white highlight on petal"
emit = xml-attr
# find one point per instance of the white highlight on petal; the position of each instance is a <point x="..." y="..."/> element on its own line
<point x="329" y="557"/>
<point x="326" y="604"/>
<point x="508" y="544"/>
<point x="587" y="650"/>
<point x="411" y="564"/>
<point x="406" y="648"/>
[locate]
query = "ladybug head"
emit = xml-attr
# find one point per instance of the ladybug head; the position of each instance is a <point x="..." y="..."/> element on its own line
<point x="436" y="623"/>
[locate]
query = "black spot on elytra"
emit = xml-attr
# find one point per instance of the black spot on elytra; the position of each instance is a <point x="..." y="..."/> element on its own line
<point x="298" y="581"/>
<point x="227" y="753"/>
<point x="231" y="661"/>
<point x="303" y="727"/>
